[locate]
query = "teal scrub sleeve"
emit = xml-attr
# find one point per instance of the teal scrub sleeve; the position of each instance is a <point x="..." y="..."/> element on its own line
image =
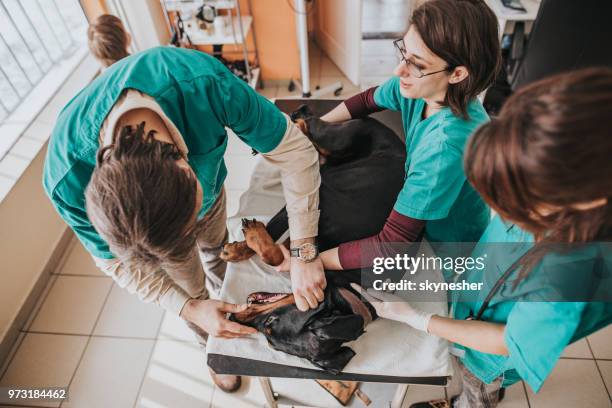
<point x="537" y="333"/>
<point x="254" y="119"/>
<point x="388" y="95"/>
<point x="433" y="182"/>
<point x="70" y="204"/>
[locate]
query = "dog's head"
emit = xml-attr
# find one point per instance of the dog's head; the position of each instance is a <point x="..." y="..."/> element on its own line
<point x="336" y="142"/>
<point x="317" y="334"/>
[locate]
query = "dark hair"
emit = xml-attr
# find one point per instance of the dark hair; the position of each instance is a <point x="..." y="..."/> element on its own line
<point x="551" y="145"/>
<point x="462" y="33"/>
<point x="107" y="39"/>
<point x="141" y="202"/>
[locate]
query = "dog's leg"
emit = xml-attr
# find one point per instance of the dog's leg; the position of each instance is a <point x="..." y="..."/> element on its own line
<point x="258" y="239"/>
<point x="236" y="252"/>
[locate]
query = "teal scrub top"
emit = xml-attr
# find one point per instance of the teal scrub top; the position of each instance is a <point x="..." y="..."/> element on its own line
<point x="198" y="94"/>
<point x="436" y="189"/>
<point x="537" y="331"/>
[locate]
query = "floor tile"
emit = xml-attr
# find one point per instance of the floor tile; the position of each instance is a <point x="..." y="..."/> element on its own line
<point x="378" y="65"/>
<point x="26" y="148"/>
<point x="606" y="372"/>
<point x="177" y="376"/>
<point x="348" y="88"/>
<point x="235" y="146"/>
<point x="233" y="201"/>
<point x="13" y="166"/>
<point x="418" y="393"/>
<point x="79" y="262"/>
<point x="329" y="68"/>
<point x="249" y="395"/>
<point x="573" y="383"/>
<point x="124" y="315"/>
<point x="269" y="91"/>
<point x="39" y="130"/>
<point x="601" y="343"/>
<point x="377" y="47"/>
<point x="239" y="171"/>
<point x="6" y="184"/>
<point x="110" y="373"/>
<point x="579" y="349"/>
<point x="515" y="397"/>
<point x="44" y="360"/>
<point x="175" y="328"/>
<point x="72" y="305"/>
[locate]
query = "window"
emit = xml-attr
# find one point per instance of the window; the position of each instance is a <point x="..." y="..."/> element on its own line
<point x="41" y="42"/>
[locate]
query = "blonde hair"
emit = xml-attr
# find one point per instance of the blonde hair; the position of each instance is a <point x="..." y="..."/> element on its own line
<point x="107" y="39"/>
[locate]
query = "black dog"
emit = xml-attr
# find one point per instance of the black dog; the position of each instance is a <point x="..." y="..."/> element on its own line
<point x="362" y="174"/>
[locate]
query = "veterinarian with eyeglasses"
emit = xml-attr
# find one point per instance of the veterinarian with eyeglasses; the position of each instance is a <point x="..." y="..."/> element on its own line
<point x="552" y="287"/>
<point x="448" y="56"/>
<point x="135" y="167"/>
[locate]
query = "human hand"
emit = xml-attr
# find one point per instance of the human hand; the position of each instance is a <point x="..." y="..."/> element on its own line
<point x="209" y="315"/>
<point x="307" y="282"/>
<point x="284" y="266"/>
<point x="395" y="308"/>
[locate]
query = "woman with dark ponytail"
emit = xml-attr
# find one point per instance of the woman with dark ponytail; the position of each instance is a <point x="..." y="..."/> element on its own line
<point x="545" y="166"/>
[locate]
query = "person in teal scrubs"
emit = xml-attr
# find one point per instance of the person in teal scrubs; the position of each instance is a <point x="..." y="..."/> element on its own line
<point x="135" y="167"/>
<point x="449" y="55"/>
<point x="544" y="165"/>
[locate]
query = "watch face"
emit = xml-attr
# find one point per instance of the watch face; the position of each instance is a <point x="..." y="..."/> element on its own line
<point x="308" y="252"/>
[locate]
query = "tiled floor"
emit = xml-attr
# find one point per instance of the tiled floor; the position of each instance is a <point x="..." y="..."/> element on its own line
<point x="111" y="350"/>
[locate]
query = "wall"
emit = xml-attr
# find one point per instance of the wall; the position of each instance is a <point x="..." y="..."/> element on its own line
<point x="275" y="33"/>
<point x="31" y="230"/>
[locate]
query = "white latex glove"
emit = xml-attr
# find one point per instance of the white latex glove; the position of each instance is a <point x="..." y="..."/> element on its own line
<point x="395" y="308"/>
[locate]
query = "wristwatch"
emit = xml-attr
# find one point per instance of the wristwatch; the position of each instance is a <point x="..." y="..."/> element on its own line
<point x="306" y="252"/>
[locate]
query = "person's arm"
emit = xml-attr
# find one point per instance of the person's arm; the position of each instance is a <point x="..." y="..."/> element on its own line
<point x="156" y="286"/>
<point x="357" y="106"/>
<point x="360" y="253"/>
<point x="269" y="131"/>
<point x="299" y="164"/>
<point x="478" y="335"/>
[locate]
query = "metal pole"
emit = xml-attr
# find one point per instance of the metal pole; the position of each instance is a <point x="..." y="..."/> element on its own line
<point x="302" y="37"/>
<point x="254" y="38"/>
<point x="400" y="394"/>
<point x="245" y="55"/>
<point x="266" y="387"/>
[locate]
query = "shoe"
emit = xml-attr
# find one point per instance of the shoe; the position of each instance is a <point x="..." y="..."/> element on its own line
<point x="227" y="383"/>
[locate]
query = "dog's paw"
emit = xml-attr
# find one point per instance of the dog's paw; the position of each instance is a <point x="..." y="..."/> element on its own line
<point x="259" y="240"/>
<point x="236" y="252"/>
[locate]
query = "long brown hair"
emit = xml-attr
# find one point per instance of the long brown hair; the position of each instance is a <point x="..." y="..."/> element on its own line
<point x="141" y="202"/>
<point x="550" y="146"/>
<point x="107" y="39"/>
<point x="462" y="33"/>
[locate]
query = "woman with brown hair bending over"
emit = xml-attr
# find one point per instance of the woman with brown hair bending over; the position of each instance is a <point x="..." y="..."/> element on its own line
<point x="544" y="166"/>
<point x="108" y="40"/>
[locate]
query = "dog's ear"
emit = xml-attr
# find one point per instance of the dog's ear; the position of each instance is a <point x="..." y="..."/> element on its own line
<point x="302" y="112"/>
<point x="336" y="362"/>
<point x="343" y="328"/>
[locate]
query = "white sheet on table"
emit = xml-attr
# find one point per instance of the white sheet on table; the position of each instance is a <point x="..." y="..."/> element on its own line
<point x="387" y="347"/>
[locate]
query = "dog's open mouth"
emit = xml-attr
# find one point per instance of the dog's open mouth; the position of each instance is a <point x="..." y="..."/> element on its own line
<point x="263" y="302"/>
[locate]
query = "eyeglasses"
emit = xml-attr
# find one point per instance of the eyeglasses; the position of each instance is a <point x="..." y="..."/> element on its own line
<point x="400" y="49"/>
